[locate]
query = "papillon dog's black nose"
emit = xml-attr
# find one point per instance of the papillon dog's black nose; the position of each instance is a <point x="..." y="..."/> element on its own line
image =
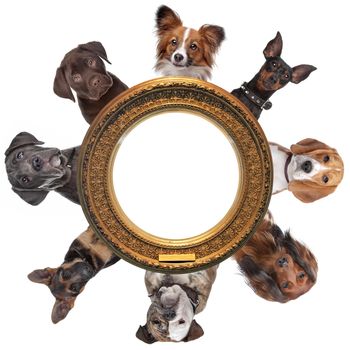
<point x="178" y="57"/>
<point x="37" y="163"/>
<point x="307" y="166"/>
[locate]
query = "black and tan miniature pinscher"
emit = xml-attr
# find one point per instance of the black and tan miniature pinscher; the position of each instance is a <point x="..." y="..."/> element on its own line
<point x="273" y="75"/>
<point x="86" y="256"/>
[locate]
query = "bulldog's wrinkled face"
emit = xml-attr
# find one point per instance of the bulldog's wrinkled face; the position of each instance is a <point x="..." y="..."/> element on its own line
<point x="35" y="167"/>
<point x="170" y="315"/>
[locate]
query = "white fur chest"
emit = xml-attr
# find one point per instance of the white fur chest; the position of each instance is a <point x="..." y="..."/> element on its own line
<point x="279" y="159"/>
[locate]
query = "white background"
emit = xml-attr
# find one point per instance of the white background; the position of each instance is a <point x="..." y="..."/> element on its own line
<point x="34" y="37"/>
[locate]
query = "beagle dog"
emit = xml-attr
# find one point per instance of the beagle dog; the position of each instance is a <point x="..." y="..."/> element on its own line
<point x="176" y="299"/>
<point x="309" y="169"/>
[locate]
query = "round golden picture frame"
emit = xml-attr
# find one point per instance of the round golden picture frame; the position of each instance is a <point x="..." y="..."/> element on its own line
<point x="95" y="178"/>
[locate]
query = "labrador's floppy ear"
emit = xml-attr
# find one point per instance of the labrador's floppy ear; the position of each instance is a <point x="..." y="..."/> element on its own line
<point x="195" y="332"/>
<point x="95" y="47"/>
<point x="60" y="85"/>
<point x="274" y="47"/>
<point x="22" y="139"/>
<point x="34" y="197"/>
<point x="144" y="335"/>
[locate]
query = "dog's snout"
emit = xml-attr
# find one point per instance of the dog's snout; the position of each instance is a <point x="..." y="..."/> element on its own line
<point x="37" y="163"/>
<point x="169" y="314"/>
<point x="307" y="166"/>
<point x="282" y="262"/>
<point x="273" y="79"/>
<point x="96" y="81"/>
<point x="178" y="57"/>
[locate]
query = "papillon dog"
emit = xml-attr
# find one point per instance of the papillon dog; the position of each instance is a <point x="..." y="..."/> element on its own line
<point x="183" y="51"/>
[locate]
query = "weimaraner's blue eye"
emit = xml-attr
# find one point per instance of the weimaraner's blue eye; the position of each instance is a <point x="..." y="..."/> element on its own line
<point x="25" y="179"/>
<point x="19" y="155"/>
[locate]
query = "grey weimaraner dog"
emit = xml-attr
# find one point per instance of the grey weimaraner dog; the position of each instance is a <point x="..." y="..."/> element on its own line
<point x="33" y="170"/>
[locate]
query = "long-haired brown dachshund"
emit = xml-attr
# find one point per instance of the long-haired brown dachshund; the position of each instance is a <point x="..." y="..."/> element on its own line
<point x="276" y="266"/>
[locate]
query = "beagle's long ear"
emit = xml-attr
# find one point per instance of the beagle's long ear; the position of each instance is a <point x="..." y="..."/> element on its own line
<point x="260" y="281"/>
<point x="60" y="85"/>
<point x="95" y="47"/>
<point x="22" y="139"/>
<point x="61" y="309"/>
<point x="31" y="197"/>
<point x="166" y="19"/>
<point x="309" y="145"/>
<point x="301" y="72"/>
<point x="195" y="332"/>
<point x="309" y="191"/>
<point x="144" y="335"/>
<point x="274" y="47"/>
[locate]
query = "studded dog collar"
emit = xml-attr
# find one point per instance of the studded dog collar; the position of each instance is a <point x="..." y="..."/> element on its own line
<point x="258" y="101"/>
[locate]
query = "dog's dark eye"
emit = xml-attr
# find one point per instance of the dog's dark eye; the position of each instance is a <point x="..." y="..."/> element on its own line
<point x="75" y="288"/>
<point x="76" y="78"/>
<point x="301" y="275"/>
<point x="25" y="179"/>
<point x="193" y="47"/>
<point x="156" y="322"/>
<point x="325" y="179"/>
<point x="182" y="321"/>
<point x="274" y="64"/>
<point x="66" y="275"/>
<point x="285" y="285"/>
<point x="174" y="42"/>
<point x="326" y="159"/>
<point x="19" y="155"/>
<point x="91" y="62"/>
<point x="286" y="76"/>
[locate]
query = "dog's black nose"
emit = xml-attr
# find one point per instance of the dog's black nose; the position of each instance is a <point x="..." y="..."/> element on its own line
<point x="37" y="163"/>
<point x="178" y="57"/>
<point x="95" y="82"/>
<point x="307" y="166"/>
<point x="169" y="314"/>
<point x="282" y="262"/>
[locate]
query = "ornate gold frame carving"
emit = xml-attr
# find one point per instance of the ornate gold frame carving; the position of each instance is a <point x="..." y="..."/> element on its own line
<point x="96" y="181"/>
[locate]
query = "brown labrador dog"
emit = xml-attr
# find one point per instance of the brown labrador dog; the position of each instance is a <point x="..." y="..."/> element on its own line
<point x="33" y="171"/>
<point x="86" y="256"/>
<point x="83" y="70"/>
